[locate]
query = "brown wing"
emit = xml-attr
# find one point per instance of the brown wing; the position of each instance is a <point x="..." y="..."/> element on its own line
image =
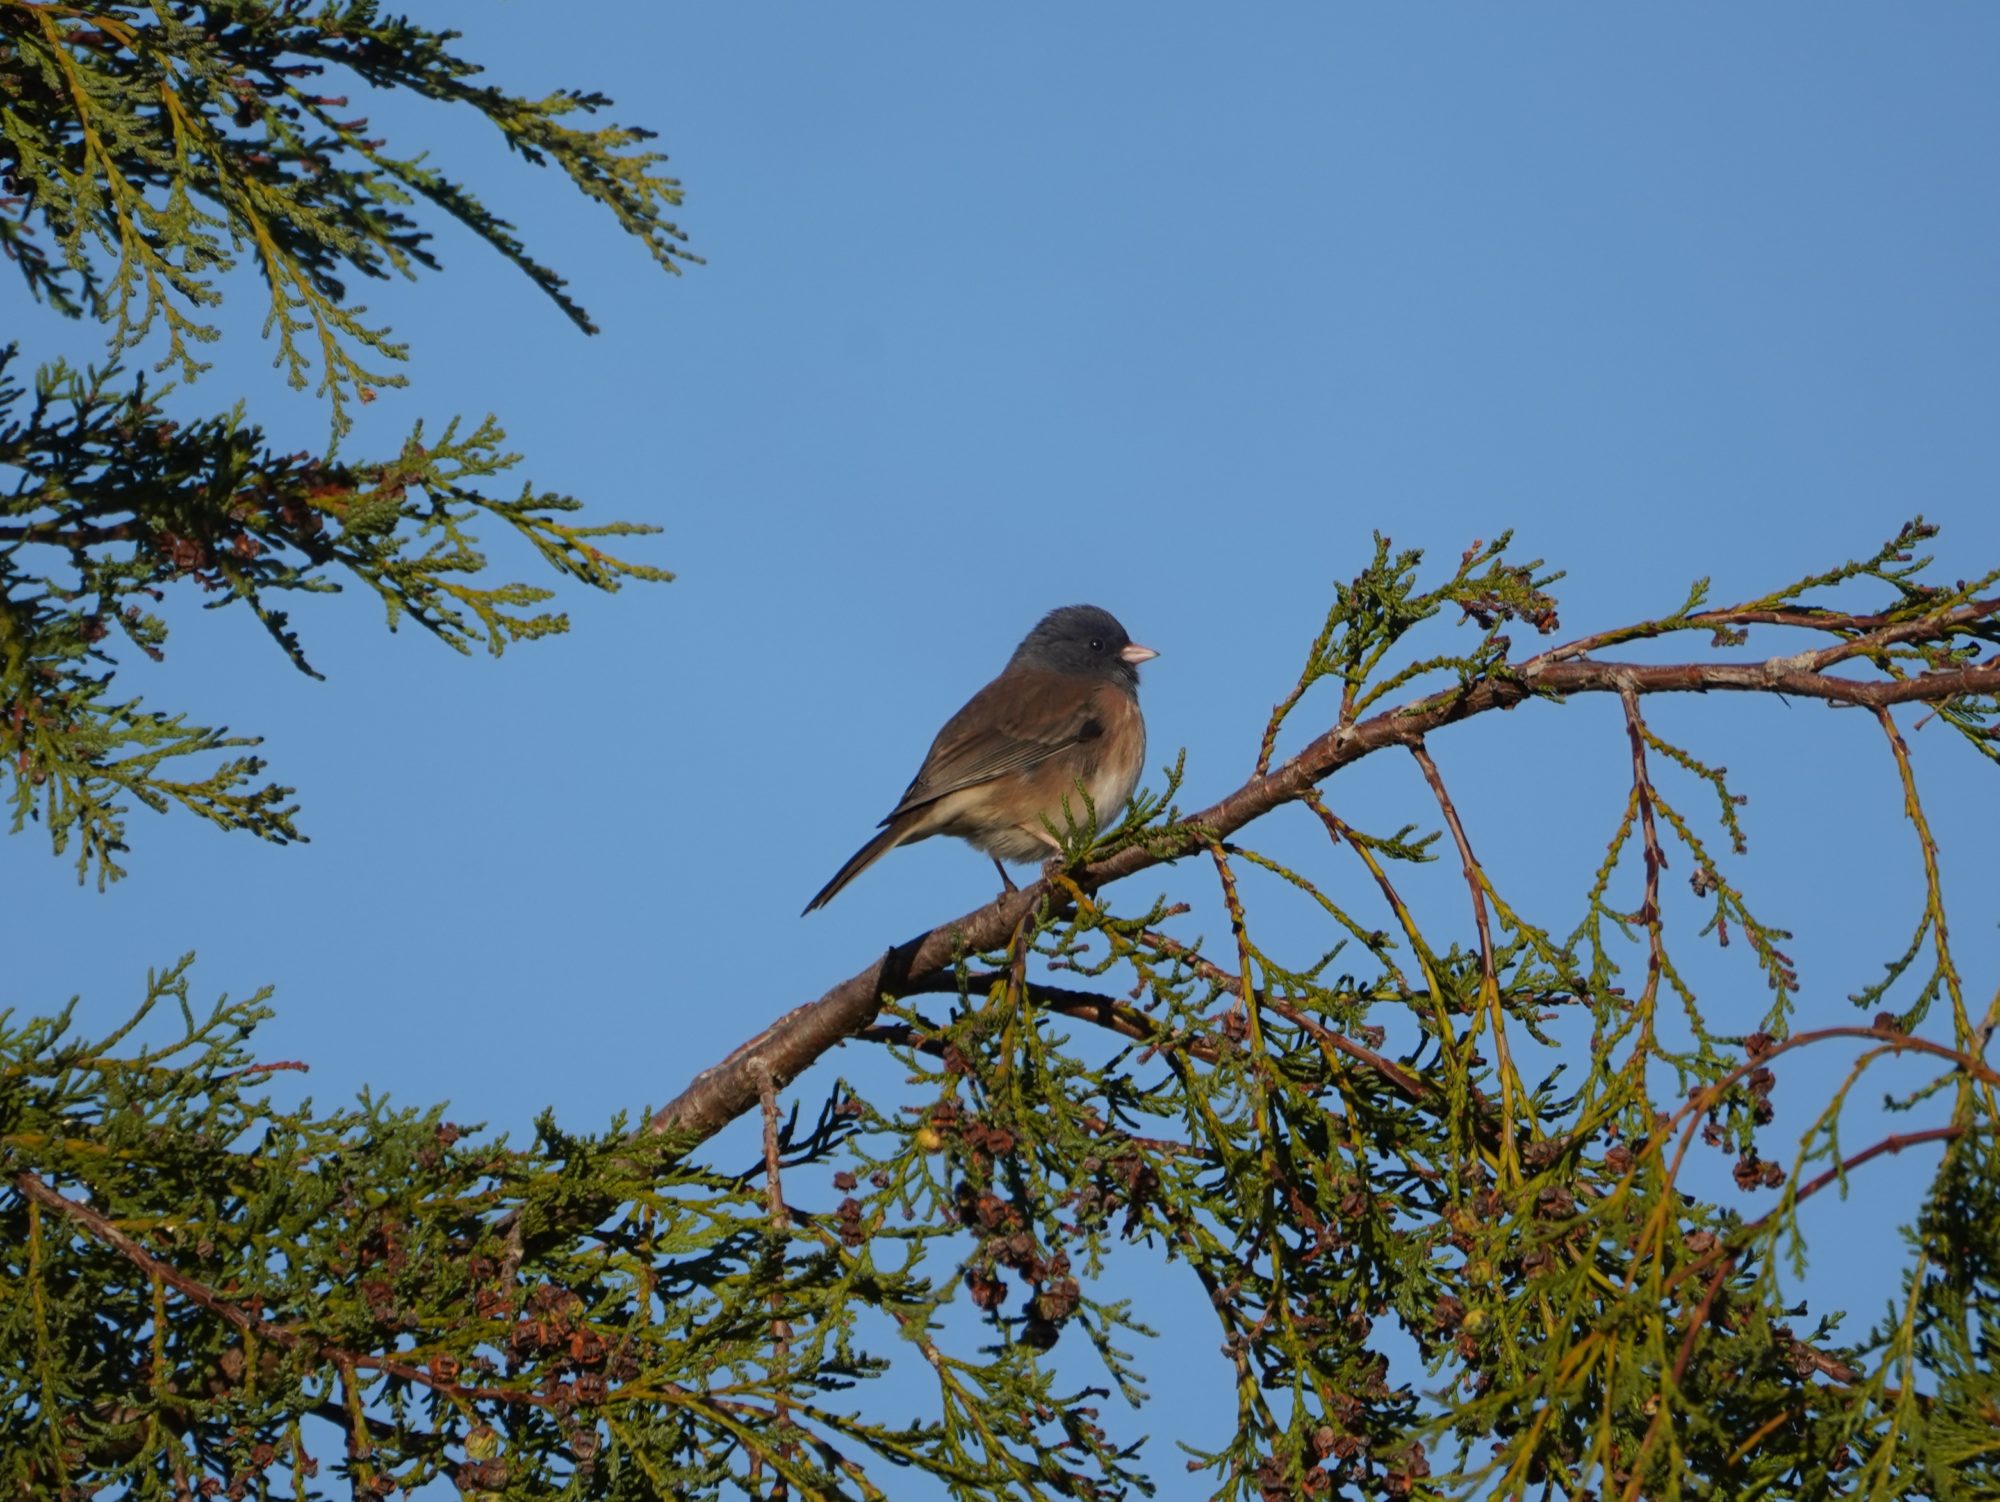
<point x="1016" y="722"/>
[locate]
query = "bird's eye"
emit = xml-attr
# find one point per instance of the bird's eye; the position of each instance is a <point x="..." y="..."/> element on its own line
<point x="1096" y="644"/>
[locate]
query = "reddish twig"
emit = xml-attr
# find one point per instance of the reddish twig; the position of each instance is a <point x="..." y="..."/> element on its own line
<point x="1655" y="856"/>
<point x="1872" y="632"/>
<point x="1698" y="1319"/>
<point x="781" y="1222"/>
<point x="1086" y="1006"/>
<point x="291" y="1338"/>
<point x="1895" y="1042"/>
<point x="1473" y="879"/>
<point x="1662" y="1413"/>
<point x="1913" y="808"/>
<point x="1208" y="970"/>
<point x="253" y="1069"/>
<point x="1722" y="1260"/>
<point x="1489" y="975"/>
<point x="1888" y="1145"/>
<point x="1831" y="1366"/>
<point x="774" y="1192"/>
<point x="1404" y="1082"/>
<point x="1655" y="859"/>
<point x="56" y="534"/>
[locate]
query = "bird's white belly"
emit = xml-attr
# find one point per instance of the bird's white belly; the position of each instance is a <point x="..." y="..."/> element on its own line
<point x="1112" y="783"/>
<point x="991" y="817"/>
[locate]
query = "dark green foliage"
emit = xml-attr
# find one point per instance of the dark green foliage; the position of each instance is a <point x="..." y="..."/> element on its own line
<point x="1950" y="1302"/>
<point x="116" y="505"/>
<point x="306" y="1272"/>
<point x="1436" y="1264"/>
<point x="157" y="147"/>
<point x="146" y="150"/>
<point x="1430" y="1273"/>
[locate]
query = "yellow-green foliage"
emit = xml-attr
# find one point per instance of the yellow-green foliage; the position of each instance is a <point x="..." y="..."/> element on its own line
<point x="1341" y="1152"/>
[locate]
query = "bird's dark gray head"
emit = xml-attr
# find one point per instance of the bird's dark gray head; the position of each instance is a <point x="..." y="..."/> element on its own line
<point x="1084" y="640"/>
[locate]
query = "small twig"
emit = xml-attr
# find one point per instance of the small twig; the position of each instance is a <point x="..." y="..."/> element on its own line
<point x="291" y="1338"/>
<point x="56" y="534"/>
<point x="1473" y="878"/>
<point x="781" y="1222"/>
<point x="253" y="1069"/>
<point x="774" y="1191"/>
<point x="1395" y="1074"/>
<point x="1246" y="992"/>
<point x="1283" y="708"/>
<point x="1406" y="1083"/>
<point x="1725" y="1260"/>
<point x="1873" y="631"/>
<point x="1086" y="1006"/>
<point x="1342" y="833"/>
<point x="1682" y="1123"/>
<point x="1696" y="1320"/>
<point x="1662" y="1414"/>
<point x="1642" y="787"/>
<point x="1489" y="975"/>
<point x="1913" y="807"/>
<point x="1655" y="859"/>
<point x="1891" y="1144"/>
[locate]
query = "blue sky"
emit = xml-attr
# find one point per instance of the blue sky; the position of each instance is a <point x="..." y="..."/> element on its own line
<point x="1161" y="308"/>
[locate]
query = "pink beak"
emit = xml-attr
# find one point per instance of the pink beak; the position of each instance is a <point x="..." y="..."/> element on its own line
<point x="1136" y="654"/>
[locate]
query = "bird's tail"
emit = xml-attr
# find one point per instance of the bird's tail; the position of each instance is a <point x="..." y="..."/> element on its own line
<point x="861" y="860"/>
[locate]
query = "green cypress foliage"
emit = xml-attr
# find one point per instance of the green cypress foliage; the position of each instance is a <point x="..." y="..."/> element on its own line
<point x="1433" y="1266"/>
<point x="147" y="151"/>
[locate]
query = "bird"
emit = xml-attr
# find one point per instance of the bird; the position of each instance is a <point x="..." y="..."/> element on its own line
<point x="1063" y="712"/>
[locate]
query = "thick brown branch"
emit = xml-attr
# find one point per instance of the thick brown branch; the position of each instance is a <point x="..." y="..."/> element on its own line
<point x="71" y="537"/>
<point x="788" y="1046"/>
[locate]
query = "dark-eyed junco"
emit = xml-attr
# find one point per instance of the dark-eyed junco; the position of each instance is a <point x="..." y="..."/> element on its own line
<point x="1065" y="710"/>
